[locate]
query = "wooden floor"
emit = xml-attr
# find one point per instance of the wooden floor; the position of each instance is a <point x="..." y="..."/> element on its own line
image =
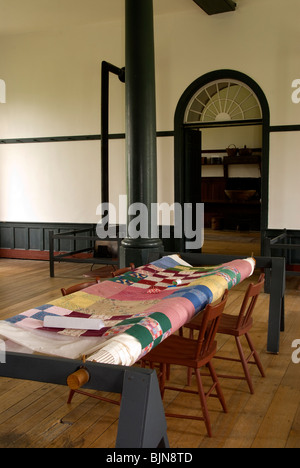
<point x="36" y="415"/>
<point x="232" y="242"/>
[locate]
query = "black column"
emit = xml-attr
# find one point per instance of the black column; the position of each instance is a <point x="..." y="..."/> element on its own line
<point x="141" y="150"/>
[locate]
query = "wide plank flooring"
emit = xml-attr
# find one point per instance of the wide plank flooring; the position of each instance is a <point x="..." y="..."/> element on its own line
<point x="36" y="415"/>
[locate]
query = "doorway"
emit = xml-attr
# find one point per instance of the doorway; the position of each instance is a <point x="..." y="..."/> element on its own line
<point x="231" y="113"/>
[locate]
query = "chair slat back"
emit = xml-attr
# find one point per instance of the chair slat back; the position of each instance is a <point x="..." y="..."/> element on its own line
<point x="78" y="287"/>
<point x="250" y="301"/>
<point x="121" y="271"/>
<point x="209" y="326"/>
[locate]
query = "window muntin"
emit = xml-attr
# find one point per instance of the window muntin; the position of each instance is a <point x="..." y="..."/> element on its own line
<point x="221" y="101"/>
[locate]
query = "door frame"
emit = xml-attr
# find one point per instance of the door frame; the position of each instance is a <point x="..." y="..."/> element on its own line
<point x="182" y="174"/>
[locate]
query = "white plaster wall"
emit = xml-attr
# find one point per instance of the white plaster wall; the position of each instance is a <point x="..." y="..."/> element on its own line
<point x="284" y="209"/>
<point x="43" y="182"/>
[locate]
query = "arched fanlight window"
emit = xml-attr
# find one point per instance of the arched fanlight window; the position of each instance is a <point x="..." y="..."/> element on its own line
<point x="221" y="101"/>
<point x="2" y="92"/>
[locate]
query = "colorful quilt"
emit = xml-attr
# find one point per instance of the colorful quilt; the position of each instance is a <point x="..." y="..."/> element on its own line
<point x="139" y="309"/>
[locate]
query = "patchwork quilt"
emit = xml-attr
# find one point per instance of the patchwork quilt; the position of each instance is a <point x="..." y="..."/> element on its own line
<point x="139" y="309"/>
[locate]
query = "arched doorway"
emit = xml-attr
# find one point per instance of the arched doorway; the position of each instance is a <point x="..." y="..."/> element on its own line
<point x="224" y="102"/>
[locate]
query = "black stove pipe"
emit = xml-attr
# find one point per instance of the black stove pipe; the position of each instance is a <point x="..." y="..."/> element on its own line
<point x="107" y="68"/>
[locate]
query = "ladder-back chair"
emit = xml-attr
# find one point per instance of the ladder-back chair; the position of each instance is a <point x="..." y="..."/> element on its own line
<point x="238" y="326"/>
<point x="180" y="351"/>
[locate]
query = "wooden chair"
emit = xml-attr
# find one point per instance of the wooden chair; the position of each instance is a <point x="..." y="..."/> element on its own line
<point x="238" y="326"/>
<point x="177" y="350"/>
<point x="121" y="271"/>
<point x="79" y="287"/>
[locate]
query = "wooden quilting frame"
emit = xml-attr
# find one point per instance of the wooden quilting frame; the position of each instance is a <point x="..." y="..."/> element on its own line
<point x="142" y="422"/>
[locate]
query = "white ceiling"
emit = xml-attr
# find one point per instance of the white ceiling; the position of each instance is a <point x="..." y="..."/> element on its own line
<point x="23" y="16"/>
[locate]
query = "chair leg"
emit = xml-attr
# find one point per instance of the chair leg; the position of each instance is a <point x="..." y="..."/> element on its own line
<point x="218" y="386"/>
<point x="71" y="394"/>
<point x="244" y="364"/>
<point x="203" y="402"/>
<point x="190" y="370"/>
<point x="162" y="379"/>
<point x="189" y="376"/>
<point x="255" y="355"/>
<point x="168" y="372"/>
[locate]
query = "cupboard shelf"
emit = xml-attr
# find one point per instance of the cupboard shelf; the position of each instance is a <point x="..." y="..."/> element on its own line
<point x="244" y="214"/>
<point x="230" y="202"/>
<point x="247" y="160"/>
<point x="242" y="160"/>
<point x="237" y="160"/>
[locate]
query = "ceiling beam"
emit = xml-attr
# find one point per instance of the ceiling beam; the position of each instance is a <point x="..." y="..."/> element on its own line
<point x="213" y="7"/>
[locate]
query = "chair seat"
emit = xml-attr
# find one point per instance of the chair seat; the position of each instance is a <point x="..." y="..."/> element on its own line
<point x="180" y="351"/>
<point x="229" y="325"/>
